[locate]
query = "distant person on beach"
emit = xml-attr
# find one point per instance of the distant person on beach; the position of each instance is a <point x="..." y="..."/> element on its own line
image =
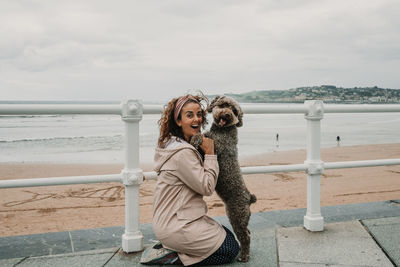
<point x="338" y="140"/>
<point x="187" y="235"/>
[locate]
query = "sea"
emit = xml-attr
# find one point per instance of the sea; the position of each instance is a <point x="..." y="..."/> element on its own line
<point x="100" y="138"/>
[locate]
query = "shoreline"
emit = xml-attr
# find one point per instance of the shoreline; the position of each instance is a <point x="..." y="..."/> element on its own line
<point x="34" y="210"/>
<point x="146" y="164"/>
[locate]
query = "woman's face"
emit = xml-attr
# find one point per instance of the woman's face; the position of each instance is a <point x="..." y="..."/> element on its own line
<point x="191" y="119"/>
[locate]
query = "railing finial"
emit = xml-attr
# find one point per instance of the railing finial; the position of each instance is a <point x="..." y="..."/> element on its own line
<point x="132" y="110"/>
<point x="315" y="109"/>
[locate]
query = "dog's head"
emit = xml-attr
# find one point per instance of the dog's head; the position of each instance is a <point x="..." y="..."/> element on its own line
<point x="226" y="111"/>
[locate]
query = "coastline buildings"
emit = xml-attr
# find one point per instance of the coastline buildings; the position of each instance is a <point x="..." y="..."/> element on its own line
<point x="327" y="93"/>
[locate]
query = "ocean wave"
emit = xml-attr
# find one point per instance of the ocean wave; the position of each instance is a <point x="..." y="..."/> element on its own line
<point x="52" y="139"/>
<point x="30" y="116"/>
<point x="23" y="126"/>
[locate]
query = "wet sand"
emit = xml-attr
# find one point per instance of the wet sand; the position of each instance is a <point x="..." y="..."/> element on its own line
<point x="34" y="210"/>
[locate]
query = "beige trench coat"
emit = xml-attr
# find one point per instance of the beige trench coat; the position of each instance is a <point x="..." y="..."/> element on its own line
<point x="179" y="211"/>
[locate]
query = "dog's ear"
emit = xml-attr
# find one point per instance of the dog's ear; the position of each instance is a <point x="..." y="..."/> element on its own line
<point x="213" y="103"/>
<point x="240" y="114"/>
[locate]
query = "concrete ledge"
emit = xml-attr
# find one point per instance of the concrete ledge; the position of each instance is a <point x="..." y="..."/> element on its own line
<point x="19" y="250"/>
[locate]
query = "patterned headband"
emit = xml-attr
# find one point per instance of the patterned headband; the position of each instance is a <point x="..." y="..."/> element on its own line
<point x="180" y="103"/>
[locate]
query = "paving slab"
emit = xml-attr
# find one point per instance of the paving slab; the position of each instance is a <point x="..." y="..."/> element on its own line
<point x="288" y="264"/>
<point x="386" y="232"/>
<point x="66" y="242"/>
<point x="122" y="259"/>
<point x="97" y="238"/>
<point x="262" y="249"/>
<point x="88" y="259"/>
<point x="340" y="244"/>
<point x="35" y="245"/>
<point x="10" y="262"/>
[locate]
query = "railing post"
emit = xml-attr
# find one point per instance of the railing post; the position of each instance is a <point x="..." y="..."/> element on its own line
<point x="313" y="221"/>
<point x="132" y="175"/>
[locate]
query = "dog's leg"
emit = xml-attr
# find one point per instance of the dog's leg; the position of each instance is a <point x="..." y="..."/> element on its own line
<point x="239" y="219"/>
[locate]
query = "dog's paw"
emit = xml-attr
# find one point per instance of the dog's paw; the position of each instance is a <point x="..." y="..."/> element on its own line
<point x="243" y="258"/>
<point x="196" y="140"/>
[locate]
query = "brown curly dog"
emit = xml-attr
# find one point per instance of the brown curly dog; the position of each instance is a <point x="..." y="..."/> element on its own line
<point x="227" y="116"/>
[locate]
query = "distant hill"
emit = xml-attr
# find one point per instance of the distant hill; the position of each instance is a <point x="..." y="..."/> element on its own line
<point x="327" y="93"/>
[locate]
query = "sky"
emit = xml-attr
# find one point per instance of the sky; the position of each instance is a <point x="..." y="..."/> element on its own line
<point x="156" y="50"/>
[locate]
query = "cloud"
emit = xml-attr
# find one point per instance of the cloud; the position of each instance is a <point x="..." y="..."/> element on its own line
<point x="142" y="49"/>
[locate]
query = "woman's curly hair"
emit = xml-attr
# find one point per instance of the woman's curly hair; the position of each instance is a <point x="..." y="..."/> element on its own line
<point x="168" y="126"/>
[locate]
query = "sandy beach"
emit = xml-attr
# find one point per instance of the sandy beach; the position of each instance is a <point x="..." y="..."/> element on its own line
<point x="60" y="208"/>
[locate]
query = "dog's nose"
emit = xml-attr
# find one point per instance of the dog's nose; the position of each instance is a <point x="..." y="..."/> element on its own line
<point x="227" y="115"/>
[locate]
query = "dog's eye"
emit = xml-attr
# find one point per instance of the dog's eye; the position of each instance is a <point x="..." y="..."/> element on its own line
<point x="235" y="112"/>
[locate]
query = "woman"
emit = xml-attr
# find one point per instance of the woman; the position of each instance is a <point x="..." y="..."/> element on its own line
<point x="179" y="211"/>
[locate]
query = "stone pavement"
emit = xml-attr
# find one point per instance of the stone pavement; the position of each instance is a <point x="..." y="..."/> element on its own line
<point x="366" y="234"/>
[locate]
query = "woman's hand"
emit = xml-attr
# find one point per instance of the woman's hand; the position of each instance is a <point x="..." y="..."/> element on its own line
<point x="207" y="146"/>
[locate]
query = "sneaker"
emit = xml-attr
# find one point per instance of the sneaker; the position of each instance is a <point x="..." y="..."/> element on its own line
<point x="157" y="254"/>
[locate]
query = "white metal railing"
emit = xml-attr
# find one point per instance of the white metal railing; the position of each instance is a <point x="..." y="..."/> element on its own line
<point x="132" y="176"/>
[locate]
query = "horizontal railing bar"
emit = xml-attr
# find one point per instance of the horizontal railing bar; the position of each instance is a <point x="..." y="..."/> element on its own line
<point x="327" y="165"/>
<point x="45" y="109"/>
<point x="150" y="175"/>
<point x="360" y="108"/>
<point x="252" y="170"/>
<point x="280" y="109"/>
<point x="33" y="182"/>
<point x="273" y="168"/>
<point x="297" y="108"/>
<point x="362" y="163"/>
<point x="153" y="109"/>
<point x="328" y="108"/>
<point x="115" y="109"/>
<point x="153" y="175"/>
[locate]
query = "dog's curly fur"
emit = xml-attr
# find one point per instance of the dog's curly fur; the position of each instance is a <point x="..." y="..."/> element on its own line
<point x="227" y="116"/>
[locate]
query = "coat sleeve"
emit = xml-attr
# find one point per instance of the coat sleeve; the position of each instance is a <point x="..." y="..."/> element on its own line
<point x="200" y="179"/>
